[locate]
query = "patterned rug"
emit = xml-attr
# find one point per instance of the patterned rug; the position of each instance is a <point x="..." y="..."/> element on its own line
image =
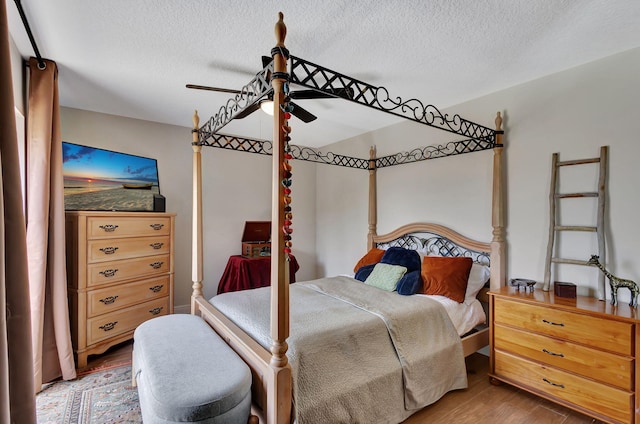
<point x="99" y="396"/>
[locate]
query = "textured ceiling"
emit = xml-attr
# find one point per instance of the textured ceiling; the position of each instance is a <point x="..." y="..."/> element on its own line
<point x="133" y="58"/>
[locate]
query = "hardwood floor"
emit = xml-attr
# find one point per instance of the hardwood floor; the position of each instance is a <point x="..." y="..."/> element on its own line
<point x="115" y="355"/>
<point x="481" y="403"/>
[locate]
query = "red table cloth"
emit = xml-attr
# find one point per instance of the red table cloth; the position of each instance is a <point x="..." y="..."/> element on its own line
<point x="249" y="273"/>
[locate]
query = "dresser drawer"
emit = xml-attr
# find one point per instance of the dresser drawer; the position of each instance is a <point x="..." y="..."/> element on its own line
<point x="112" y="298"/>
<point x="118" y="322"/>
<point x="103" y="227"/>
<point x="109" y="272"/>
<point x="603" y="366"/>
<point x="102" y="250"/>
<point x="614" y="336"/>
<point x="599" y="398"/>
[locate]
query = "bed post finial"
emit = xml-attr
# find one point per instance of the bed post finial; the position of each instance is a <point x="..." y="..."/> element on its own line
<point x="196" y="127"/>
<point x="281" y="30"/>
<point x="498" y="121"/>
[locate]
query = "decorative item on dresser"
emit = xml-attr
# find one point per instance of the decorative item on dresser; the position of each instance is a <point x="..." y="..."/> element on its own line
<point x="564" y="289"/>
<point x="120" y="274"/>
<point x="580" y="352"/>
<point x="616" y="283"/>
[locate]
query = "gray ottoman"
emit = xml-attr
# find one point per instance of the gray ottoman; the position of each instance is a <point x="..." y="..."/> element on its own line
<point x="186" y="373"/>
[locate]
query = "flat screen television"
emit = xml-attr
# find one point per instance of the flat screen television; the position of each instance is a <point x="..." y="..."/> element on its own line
<point x="103" y="180"/>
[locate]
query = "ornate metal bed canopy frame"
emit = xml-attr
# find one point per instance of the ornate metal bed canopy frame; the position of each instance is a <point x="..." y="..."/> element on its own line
<point x="270" y="367"/>
<point x="315" y="77"/>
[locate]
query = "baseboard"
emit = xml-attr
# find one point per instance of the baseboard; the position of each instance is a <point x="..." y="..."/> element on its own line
<point x="182" y="309"/>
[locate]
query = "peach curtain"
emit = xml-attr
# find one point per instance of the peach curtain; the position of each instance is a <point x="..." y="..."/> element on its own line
<point x="51" y="337"/>
<point x="17" y="395"/>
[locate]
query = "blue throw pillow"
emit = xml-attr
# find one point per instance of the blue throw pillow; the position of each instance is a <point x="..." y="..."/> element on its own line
<point x="410" y="283"/>
<point x="363" y="272"/>
<point x="402" y="257"/>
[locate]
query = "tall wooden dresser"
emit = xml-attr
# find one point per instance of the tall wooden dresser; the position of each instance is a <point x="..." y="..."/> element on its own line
<point x="120" y="274"/>
<point x="581" y="353"/>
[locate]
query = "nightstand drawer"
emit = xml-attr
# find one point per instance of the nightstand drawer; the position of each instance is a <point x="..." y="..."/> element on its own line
<point x="113" y="249"/>
<point x="108" y="272"/>
<point x="603" y="366"/>
<point x="103" y="227"/>
<point x="119" y="322"/>
<point x="112" y="298"/>
<point x="585" y="393"/>
<point x="614" y="336"/>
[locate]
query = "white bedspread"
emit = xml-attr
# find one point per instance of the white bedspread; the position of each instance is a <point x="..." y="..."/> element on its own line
<point x="357" y="353"/>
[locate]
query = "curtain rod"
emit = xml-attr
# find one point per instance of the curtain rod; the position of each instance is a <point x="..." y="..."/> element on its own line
<point x="41" y="63"/>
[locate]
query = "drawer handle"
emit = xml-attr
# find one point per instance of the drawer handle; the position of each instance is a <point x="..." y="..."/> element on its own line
<point x="156" y="311"/>
<point x="109" y="300"/>
<point x="108" y="250"/>
<point x="553" y="384"/>
<point x="108" y="272"/>
<point x="561" y="355"/>
<point x="156" y="289"/>
<point x="559" y="324"/>
<point x="108" y="326"/>
<point x="156" y="265"/>
<point x="156" y="227"/>
<point x="156" y="246"/>
<point x="109" y="228"/>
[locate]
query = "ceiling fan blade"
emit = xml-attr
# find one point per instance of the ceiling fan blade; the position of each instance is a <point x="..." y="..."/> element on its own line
<point x="265" y="61"/>
<point x="205" y="87"/>
<point x="248" y="111"/>
<point x="345" y="92"/>
<point x="302" y="114"/>
<point x="313" y="94"/>
<point x="309" y="94"/>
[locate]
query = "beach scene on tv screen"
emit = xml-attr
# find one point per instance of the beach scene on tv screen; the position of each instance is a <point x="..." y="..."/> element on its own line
<point x="98" y="179"/>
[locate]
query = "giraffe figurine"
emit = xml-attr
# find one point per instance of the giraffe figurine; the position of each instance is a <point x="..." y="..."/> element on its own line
<point x="616" y="283"/>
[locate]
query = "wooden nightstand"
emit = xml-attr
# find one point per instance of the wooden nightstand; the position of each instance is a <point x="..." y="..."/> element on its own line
<point x="580" y="353"/>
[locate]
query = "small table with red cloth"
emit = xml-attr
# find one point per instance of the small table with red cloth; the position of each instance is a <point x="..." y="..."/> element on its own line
<point x="244" y="273"/>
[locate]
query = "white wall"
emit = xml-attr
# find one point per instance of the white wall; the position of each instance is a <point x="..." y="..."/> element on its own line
<point x="237" y="189"/>
<point x="573" y="112"/>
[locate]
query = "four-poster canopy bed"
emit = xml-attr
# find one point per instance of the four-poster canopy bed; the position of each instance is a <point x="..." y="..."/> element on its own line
<point x="265" y="348"/>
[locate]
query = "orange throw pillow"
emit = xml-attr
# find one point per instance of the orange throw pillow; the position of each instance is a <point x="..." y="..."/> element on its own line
<point x="373" y="256"/>
<point x="446" y="276"/>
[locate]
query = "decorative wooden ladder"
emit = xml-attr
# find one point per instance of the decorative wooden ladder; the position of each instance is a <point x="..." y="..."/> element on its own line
<point x="554" y="196"/>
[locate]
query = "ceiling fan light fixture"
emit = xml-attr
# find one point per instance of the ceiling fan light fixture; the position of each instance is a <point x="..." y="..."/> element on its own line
<point x="267" y="106"/>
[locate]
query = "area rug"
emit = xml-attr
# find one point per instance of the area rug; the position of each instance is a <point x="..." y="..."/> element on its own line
<point x="100" y="396"/>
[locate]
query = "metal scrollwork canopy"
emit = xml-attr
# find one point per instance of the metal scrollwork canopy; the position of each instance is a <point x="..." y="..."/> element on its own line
<point x="316" y="77"/>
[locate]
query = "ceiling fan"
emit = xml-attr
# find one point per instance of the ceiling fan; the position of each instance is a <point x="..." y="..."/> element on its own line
<point x="267" y="104"/>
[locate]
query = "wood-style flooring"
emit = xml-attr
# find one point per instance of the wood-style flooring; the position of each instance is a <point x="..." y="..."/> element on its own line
<point x="480" y="403"/>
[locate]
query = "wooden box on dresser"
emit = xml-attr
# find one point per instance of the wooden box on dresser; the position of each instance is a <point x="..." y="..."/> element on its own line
<point x="120" y="274"/>
<point x="580" y="353"/>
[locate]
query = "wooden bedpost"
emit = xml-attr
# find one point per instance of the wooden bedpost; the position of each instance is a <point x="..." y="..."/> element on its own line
<point x="373" y="199"/>
<point x="279" y="390"/>
<point x="498" y="242"/>
<point x="196" y="235"/>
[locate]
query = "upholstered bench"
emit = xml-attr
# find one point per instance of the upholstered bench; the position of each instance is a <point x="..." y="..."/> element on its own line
<point x="186" y="373"/>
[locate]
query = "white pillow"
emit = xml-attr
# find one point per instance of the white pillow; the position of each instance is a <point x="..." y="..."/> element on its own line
<point x="478" y="276"/>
